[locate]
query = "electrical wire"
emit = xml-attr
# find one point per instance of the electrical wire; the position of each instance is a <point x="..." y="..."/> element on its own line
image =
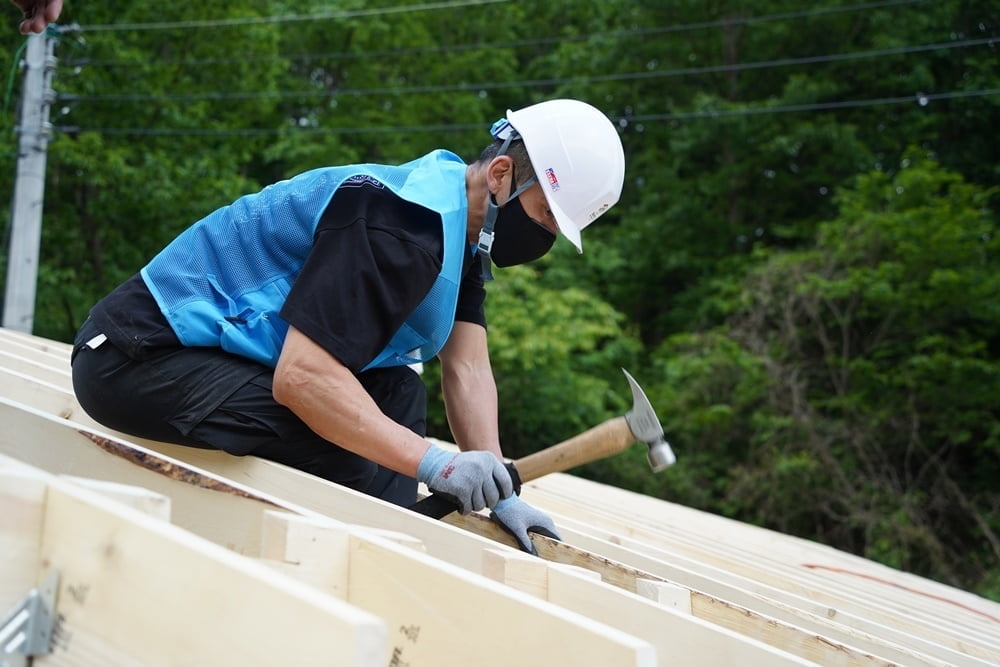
<point x="920" y="98"/>
<point x="15" y="64"/>
<point x="288" y="18"/>
<point x="483" y="46"/>
<point x="530" y="83"/>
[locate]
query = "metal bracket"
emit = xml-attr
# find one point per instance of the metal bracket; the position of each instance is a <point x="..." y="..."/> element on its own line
<point x="26" y="630"/>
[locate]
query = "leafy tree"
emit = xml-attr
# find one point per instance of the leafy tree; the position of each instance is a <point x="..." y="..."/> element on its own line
<point x="854" y="396"/>
<point x="110" y="204"/>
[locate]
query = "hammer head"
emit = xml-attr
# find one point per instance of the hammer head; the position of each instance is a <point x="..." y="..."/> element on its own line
<point x="646" y="428"/>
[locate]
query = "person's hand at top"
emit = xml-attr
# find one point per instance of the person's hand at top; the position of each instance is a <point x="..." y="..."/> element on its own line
<point x="38" y="14"/>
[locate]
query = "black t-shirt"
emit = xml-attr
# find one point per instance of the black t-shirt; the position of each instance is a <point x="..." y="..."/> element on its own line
<point x="374" y="258"/>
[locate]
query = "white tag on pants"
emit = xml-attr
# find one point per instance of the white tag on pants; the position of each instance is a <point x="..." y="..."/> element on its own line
<point x="96" y="341"/>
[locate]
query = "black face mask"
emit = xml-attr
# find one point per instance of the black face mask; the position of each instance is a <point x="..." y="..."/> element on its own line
<point x="517" y="238"/>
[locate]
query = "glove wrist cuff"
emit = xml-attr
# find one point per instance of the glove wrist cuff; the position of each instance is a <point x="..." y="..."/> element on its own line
<point x="433" y="460"/>
<point x="509" y="501"/>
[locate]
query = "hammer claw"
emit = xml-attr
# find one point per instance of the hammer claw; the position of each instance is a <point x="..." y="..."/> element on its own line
<point x="646" y="427"/>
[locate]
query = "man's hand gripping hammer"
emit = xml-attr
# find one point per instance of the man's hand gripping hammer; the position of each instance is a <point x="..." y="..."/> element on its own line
<point x="637" y="425"/>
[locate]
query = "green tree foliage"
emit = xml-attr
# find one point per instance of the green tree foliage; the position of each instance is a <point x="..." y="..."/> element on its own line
<point x="853" y="395"/>
<point x="113" y="198"/>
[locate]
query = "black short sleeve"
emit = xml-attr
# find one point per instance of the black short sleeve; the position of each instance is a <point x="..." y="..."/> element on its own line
<point x="471" y="293"/>
<point x="374" y="258"/>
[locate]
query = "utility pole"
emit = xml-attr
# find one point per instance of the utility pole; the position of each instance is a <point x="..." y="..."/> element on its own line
<point x="29" y="187"/>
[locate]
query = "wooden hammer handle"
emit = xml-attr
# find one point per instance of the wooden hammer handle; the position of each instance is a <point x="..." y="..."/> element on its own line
<point x="599" y="442"/>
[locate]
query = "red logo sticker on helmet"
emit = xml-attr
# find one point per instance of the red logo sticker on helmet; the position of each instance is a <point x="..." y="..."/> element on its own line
<point x="553" y="180"/>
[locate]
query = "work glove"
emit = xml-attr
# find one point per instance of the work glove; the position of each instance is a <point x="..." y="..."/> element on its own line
<point x="518" y="517"/>
<point x="474" y="479"/>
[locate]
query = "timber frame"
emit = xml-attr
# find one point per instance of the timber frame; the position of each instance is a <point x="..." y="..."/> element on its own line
<point x="636" y="580"/>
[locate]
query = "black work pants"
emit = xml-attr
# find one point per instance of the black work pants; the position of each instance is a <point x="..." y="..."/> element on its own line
<point x="208" y="398"/>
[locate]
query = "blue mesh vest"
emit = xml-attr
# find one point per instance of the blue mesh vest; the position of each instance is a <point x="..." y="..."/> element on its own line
<point x="222" y="282"/>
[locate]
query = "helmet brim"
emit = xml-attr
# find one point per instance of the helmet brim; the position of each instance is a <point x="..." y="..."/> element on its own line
<point x="566" y="225"/>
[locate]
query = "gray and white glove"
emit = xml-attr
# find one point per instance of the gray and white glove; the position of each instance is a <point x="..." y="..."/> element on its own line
<point x="474" y="479"/>
<point x="518" y="518"/>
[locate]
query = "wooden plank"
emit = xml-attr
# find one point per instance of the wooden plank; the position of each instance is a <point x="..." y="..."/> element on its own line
<point x="152" y="504"/>
<point x="81" y="449"/>
<point x="40" y="349"/>
<point x="432" y="602"/>
<point x="77" y="451"/>
<point x="54" y="445"/>
<point x="134" y="591"/>
<point x="913" y="615"/>
<point x="349" y="506"/>
<point x="782" y="585"/>
<point x="43" y="344"/>
<point x="519" y="637"/>
<point x="22" y="503"/>
<point x="34" y="368"/>
<point x="781" y="626"/>
<point x="727" y="603"/>
<point x="468" y="565"/>
<point x="675" y="518"/>
<point x="679" y="638"/>
<point x="206" y="514"/>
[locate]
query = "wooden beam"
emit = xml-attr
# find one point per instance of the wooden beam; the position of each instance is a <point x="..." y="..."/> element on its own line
<point x="332" y="500"/>
<point x="76" y="450"/>
<point x="135" y="591"/>
<point x="430" y="601"/>
<point x="152" y="504"/>
<point x="42" y="371"/>
<point x="781" y="626"/>
<point x="22" y="504"/>
<point x="517" y="636"/>
<point x="617" y="572"/>
<point x="234" y="507"/>
<point x="706" y="528"/>
<point x="55" y="446"/>
<point x="934" y="634"/>
<point x="37" y="342"/>
<point x="679" y="638"/>
<point x="710" y="587"/>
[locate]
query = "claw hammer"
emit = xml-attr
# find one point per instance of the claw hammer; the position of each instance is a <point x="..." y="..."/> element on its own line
<point x="637" y="425"/>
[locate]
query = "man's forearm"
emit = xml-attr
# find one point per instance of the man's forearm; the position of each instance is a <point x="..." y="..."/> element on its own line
<point x="470" y="392"/>
<point x="333" y="403"/>
<point x="470" y="397"/>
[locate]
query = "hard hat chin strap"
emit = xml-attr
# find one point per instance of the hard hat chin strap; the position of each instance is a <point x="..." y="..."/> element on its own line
<point x="492" y="209"/>
<point x="486" y="234"/>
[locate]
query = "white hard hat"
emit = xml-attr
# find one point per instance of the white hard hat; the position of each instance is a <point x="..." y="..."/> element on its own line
<point x="578" y="160"/>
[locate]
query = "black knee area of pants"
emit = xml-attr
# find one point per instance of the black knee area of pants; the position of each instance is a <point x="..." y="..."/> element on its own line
<point x="137" y="398"/>
<point x="400" y="393"/>
<point x="344" y="468"/>
<point x="107" y="394"/>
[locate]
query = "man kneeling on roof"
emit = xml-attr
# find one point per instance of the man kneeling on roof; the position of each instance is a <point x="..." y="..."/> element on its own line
<point x="283" y="325"/>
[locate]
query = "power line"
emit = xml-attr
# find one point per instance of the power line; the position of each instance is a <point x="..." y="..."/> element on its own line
<point x="920" y="99"/>
<point x="528" y="83"/>
<point x="481" y="46"/>
<point x="289" y="18"/>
